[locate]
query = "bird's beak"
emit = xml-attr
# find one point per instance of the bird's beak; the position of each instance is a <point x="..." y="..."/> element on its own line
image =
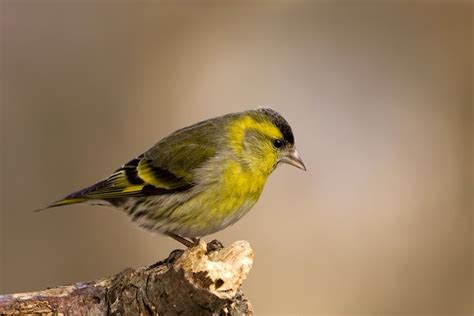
<point x="294" y="159"/>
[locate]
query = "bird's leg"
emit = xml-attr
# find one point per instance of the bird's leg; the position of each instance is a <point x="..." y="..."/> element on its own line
<point x="196" y="240"/>
<point x="184" y="241"/>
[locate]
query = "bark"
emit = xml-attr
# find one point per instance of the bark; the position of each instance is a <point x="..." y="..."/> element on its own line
<point x="202" y="280"/>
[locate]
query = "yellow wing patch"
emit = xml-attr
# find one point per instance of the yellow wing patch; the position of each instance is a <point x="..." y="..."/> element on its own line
<point x="133" y="188"/>
<point x="146" y="173"/>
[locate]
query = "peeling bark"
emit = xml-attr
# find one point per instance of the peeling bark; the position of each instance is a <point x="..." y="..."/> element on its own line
<point x="202" y="280"/>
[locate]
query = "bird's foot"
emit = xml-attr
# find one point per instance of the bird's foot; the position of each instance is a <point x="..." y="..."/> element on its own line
<point x="214" y="245"/>
<point x="172" y="257"/>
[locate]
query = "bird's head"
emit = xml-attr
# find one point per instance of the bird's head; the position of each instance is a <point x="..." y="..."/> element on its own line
<point x="262" y="139"/>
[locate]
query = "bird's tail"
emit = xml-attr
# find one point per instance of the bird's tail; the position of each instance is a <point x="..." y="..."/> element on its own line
<point x="68" y="200"/>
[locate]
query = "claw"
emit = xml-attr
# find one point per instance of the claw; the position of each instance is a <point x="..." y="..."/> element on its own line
<point x="214" y="245"/>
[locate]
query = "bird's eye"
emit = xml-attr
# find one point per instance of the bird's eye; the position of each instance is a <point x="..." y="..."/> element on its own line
<point x="277" y="143"/>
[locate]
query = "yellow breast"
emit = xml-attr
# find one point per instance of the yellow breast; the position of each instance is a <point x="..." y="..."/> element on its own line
<point x="235" y="195"/>
<point x="241" y="183"/>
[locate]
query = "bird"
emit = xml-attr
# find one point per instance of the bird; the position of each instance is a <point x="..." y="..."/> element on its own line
<point x="199" y="179"/>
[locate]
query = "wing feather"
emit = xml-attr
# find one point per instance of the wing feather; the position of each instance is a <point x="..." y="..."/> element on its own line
<point x="168" y="167"/>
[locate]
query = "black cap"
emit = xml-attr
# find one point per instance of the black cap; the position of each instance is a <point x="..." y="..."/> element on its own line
<point x="279" y="122"/>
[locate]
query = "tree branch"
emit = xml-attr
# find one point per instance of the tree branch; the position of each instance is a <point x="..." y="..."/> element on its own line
<point x="202" y="280"/>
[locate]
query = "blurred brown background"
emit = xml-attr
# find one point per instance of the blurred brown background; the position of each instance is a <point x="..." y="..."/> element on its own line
<point x="380" y="100"/>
